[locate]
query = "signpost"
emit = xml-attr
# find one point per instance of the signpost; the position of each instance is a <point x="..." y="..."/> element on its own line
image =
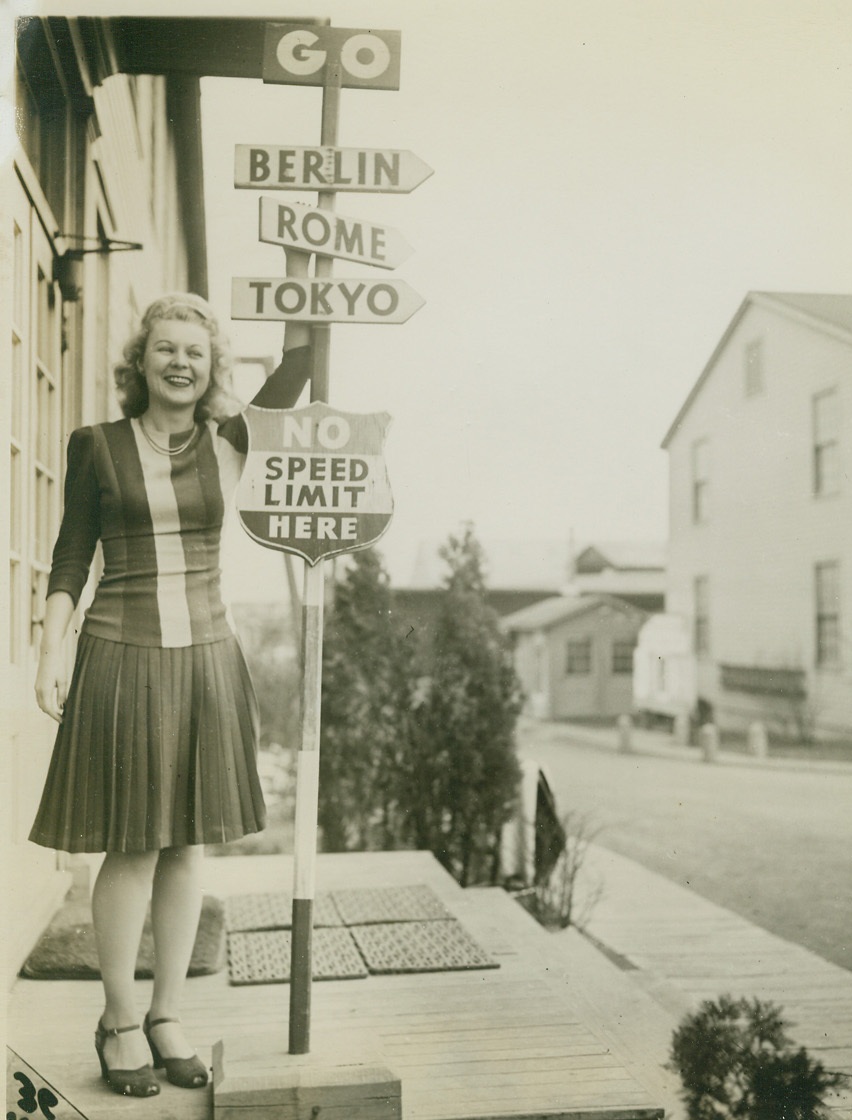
<point x="314" y="482"/>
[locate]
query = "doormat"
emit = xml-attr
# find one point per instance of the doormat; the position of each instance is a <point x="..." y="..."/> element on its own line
<point x="274" y="910"/>
<point x="66" y="950"/>
<point x="263" y="957"/>
<point x="443" y="946"/>
<point x="360" y="906"/>
<point x="354" y="906"/>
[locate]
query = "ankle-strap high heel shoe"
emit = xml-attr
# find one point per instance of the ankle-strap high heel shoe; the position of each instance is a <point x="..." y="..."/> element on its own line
<point x="186" y="1073"/>
<point x="141" y="1082"/>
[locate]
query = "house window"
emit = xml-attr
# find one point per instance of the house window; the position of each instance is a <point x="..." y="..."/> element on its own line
<point x="754" y="368"/>
<point x="622" y="657"/>
<point x="825" y="435"/>
<point x="700" y="479"/>
<point x="578" y="657"/>
<point x="701" y="597"/>
<point x="827" y="585"/>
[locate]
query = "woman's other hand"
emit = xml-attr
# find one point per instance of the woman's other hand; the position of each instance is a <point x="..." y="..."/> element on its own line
<point x="51" y="686"/>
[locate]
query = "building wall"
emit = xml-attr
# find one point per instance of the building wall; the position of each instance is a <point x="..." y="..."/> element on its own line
<point x="86" y="165"/>
<point x="765" y="530"/>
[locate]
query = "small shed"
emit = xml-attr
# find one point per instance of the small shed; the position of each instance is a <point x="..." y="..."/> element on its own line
<point x="574" y="655"/>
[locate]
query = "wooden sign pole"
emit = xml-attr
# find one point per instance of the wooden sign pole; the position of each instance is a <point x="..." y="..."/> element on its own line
<point x="307" y="765"/>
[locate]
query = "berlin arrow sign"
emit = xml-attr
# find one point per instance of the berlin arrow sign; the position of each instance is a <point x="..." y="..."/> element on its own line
<point x="316" y="300"/>
<point x="376" y="170"/>
<point x="330" y="234"/>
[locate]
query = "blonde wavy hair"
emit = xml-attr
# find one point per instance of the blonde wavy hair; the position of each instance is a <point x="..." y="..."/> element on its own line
<point x="218" y="401"/>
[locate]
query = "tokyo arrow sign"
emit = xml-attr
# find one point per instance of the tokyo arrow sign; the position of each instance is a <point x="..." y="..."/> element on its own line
<point x="323" y="301"/>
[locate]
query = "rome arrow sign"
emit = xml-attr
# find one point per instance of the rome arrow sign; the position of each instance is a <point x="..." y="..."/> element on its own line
<point x="330" y="234"/>
<point x="315" y="300"/>
<point x="371" y="170"/>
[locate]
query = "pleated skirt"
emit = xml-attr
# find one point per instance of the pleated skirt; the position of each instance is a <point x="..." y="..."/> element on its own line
<point x="157" y="748"/>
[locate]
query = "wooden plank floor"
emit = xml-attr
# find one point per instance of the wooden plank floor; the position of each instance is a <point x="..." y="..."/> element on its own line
<point x="683" y="949"/>
<point x="521" y="1041"/>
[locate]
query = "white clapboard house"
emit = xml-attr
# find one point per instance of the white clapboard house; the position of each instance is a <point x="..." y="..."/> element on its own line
<point x="759" y="588"/>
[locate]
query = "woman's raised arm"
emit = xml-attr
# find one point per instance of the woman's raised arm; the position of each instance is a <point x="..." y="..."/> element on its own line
<point x="284" y="386"/>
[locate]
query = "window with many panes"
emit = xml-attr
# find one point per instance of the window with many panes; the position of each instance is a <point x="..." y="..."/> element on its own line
<point x="826" y="430"/>
<point x="701" y="614"/>
<point x="35" y="443"/>
<point x="622" y="656"/>
<point x="827" y="588"/>
<point x="47" y="439"/>
<point x="700" y="480"/>
<point x="578" y="656"/>
<point x="16" y="443"/>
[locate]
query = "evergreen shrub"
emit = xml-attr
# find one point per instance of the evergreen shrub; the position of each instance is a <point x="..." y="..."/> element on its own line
<point x="735" y="1060"/>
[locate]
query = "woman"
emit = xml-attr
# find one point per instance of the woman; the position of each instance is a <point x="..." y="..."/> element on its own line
<point x="156" y="750"/>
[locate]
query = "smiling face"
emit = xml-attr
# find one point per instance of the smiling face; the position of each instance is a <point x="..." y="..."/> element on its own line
<point x="176" y="366"/>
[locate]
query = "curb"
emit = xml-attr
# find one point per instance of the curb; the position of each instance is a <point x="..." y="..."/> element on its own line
<point x="646" y="743"/>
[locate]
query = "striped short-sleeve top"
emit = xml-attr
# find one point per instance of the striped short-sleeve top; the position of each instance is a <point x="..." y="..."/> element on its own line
<point x="159" y="519"/>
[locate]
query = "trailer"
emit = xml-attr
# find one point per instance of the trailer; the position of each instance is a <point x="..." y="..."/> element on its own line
<point x="664" y="673"/>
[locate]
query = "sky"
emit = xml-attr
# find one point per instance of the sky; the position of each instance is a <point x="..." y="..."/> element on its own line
<point x="611" y="177"/>
<point x="610" y="180"/>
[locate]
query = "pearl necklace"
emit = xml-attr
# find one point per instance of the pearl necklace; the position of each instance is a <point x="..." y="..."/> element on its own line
<point x="158" y="447"/>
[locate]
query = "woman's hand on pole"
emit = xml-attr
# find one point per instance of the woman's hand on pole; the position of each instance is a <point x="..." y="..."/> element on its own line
<point x="297" y="263"/>
<point x="295" y="333"/>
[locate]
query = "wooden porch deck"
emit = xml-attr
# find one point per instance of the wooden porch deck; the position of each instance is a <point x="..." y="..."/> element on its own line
<point x="528" y="1040"/>
<point x="683" y="949"/>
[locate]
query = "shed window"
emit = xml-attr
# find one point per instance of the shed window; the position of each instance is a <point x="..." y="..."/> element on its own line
<point x="578" y="657"/>
<point x="622" y="657"/>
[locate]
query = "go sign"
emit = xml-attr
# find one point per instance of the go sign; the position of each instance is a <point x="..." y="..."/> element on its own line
<point x="300" y="55"/>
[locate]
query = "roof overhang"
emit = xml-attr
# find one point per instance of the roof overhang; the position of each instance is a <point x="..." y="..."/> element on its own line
<point x="560" y="609"/>
<point x="198" y="47"/>
<point x="181" y="49"/>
